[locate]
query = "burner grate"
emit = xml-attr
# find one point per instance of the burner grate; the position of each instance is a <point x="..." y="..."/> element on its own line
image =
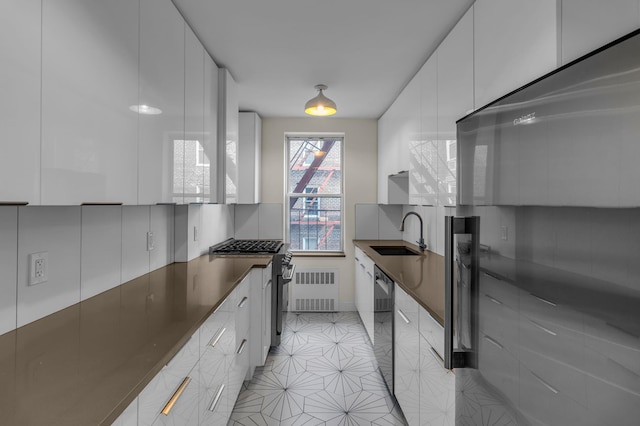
<point x="247" y="246"/>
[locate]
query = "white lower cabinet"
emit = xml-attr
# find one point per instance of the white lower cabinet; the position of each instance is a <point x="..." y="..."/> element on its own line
<point x="260" y="316"/>
<point x="200" y="384"/>
<point x="437" y="388"/>
<point x="425" y="390"/>
<point x="406" y="344"/>
<point x="364" y="286"/>
<point x="164" y="385"/>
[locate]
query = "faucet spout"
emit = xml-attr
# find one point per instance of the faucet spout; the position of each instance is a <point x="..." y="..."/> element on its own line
<point x="421" y="244"/>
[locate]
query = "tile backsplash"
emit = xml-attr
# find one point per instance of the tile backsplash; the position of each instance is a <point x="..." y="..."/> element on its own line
<point x="91" y="249"/>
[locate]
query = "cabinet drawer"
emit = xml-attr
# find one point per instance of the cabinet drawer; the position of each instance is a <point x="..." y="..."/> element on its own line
<point x="499" y="320"/>
<point x="212" y="326"/>
<point x="437" y="388"/>
<point x="431" y="330"/>
<point x="406" y="308"/>
<point x="155" y="395"/>
<point x="542" y="403"/>
<point x="498" y="366"/>
<point x="503" y="291"/>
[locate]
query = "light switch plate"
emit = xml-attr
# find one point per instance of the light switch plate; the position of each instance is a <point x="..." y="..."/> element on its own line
<point x="38" y="268"/>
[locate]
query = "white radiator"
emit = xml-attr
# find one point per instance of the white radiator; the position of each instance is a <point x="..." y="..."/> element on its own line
<point x="314" y="290"/>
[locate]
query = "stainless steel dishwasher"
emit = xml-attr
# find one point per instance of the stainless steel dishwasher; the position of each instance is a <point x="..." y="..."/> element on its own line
<point x="383" y="325"/>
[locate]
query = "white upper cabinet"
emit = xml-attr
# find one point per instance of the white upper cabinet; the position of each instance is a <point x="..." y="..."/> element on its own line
<point x="455" y="100"/>
<point x="399" y="125"/>
<point x="20" y="100"/>
<point x="162" y="80"/>
<point x="89" y="81"/>
<point x="428" y="77"/>
<point x="589" y="24"/>
<point x="515" y="41"/>
<point x="193" y="156"/>
<point x="228" y="134"/>
<point x="210" y="137"/>
<point x="249" y="152"/>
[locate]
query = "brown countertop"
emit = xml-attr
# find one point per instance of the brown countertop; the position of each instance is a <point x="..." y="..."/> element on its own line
<point x="85" y="364"/>
<point x="421" y="276"/>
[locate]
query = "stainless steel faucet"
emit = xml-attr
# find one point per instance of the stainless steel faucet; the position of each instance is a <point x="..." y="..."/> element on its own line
<point x="420" y="242"/>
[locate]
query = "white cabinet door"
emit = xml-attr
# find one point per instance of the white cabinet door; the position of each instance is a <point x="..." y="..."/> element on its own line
<point x="427" y="160"/>
<point x="266" y="312"/>
<point x="89" y="81"/>
<point x="228" y="133"/>
<point x="160" y="389"/>
<point x="406" y="346"/>
<point x="20" y="36"/>
<point x="588" y="24"/>
<point x="210" y="137"/>
<point x="161" y="86"/>
<point x="193" y="158"/>
<point x="249" y="148"/>
<point x="364" y="290"/>
<point x="514" y="42"/>
<point x="455" y="100"/>
<point x="216" y="343"/>
<point x="437" y="388"/>
<point x="396" y="127"/>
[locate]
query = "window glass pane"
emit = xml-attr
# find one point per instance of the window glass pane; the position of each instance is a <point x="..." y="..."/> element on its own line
<point x="315" y="163"/>
<point x="315" y="223"/>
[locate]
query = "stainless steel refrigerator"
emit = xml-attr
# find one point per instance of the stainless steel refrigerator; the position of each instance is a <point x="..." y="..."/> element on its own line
<point x="543" y="255"/>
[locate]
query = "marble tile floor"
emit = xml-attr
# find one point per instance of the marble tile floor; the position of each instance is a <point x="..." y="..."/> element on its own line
<point x="323" y="373"/>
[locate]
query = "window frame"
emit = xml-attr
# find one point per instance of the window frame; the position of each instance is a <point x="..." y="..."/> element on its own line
<point x="288" y="195"/>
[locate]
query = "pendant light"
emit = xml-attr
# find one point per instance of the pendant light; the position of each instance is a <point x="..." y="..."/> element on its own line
<point x="320" y="105"/>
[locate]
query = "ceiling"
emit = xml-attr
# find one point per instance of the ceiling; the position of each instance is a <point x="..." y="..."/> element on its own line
<point x="366" y="51"/>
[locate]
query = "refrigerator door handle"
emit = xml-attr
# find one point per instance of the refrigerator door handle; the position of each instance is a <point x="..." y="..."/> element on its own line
<point x="456" y="226"/>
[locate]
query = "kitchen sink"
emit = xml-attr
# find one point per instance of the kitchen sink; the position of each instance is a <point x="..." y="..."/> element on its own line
<point x="395" y="251"/>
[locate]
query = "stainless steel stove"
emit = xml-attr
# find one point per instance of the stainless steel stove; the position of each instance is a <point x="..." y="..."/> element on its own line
<point x="282" y="274"/>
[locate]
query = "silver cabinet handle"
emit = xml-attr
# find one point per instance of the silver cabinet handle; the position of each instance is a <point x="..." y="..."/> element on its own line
<point x="241" y="347"/>
<point x="242" y="302"/>
<point x="545" y="384"/>
<point x="404" y="317"/>
<point x="176" y="395"/>
<point x="216" y="398"/>
<point x="362" y="266"/>
<point x="217" y="337"/>
<point x="357" y="260"/>
<point x="545" y="329"/>
<point x="267" y="284"/>
<point x="370" y="274"/>
<point x="493" y="299"/>
<point x="493" y="342"/>
<point x="543" y="300"/>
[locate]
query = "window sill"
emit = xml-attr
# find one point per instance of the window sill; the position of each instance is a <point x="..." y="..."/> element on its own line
<point x="318" y="254"/>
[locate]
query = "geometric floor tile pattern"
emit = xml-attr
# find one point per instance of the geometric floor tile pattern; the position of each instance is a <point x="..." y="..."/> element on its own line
<point x="323" y="373"/>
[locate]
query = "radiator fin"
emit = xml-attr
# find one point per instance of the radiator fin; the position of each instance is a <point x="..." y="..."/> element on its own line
<point x="315" y="290"/>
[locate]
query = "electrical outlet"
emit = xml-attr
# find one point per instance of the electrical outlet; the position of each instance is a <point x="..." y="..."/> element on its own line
<point x="38" y="268"/>
<point x="150" y="241"/>
<point x="504" y="233"/>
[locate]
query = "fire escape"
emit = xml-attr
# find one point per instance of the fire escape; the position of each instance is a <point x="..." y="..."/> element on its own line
<point x="320" y="154"/>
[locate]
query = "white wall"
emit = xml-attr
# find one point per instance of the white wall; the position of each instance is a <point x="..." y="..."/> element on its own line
<point x="360" y="165"/>
<point x="91" y="249"/>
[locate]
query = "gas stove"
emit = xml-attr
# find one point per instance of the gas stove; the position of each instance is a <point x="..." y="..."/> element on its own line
<point x="233" y="246"/>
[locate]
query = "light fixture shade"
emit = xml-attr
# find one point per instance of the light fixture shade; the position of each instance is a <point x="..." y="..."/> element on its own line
<point x="320" y="105"/>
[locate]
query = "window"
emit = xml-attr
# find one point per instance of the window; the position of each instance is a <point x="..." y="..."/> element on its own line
<point x="314" y="166"/>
